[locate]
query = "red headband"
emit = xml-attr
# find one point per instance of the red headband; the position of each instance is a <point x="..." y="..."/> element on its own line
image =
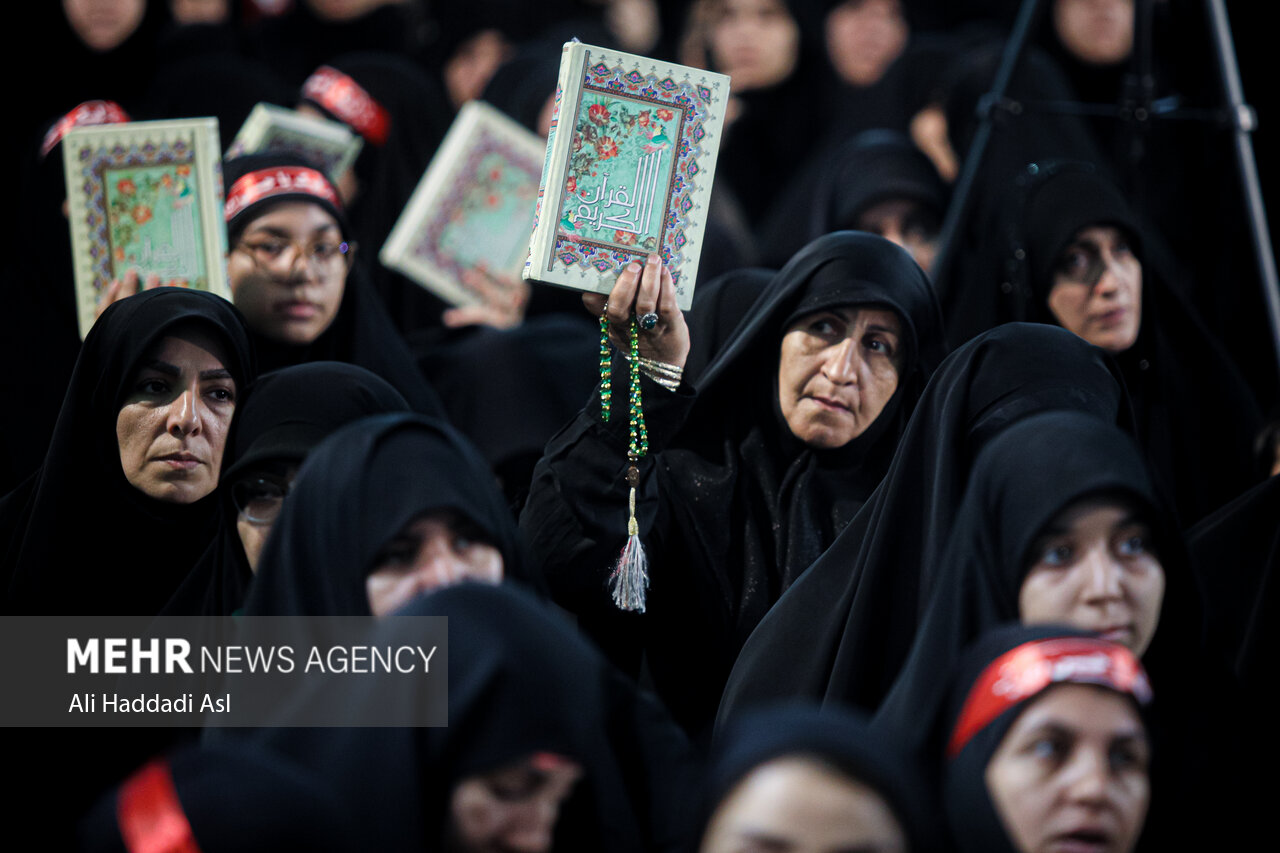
<point x="86" y="115"/>
<point x="150" y="815"/>
<point x="265" y="183"/>
<point x="1031" y="667"/>
<point x="347" y="100"/>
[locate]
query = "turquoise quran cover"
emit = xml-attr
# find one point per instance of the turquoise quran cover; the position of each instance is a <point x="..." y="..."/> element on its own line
<point x="628" y="169"/>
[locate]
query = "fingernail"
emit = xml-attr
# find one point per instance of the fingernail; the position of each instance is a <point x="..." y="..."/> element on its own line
<point x="653" y="259"/>
<point x="633" y="267"/>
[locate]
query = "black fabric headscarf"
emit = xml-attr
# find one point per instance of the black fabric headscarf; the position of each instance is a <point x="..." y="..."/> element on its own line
<point x="230" y="797"/>
<point x="1021" y="481"/>
<point x="775" y="131"/>
<point x="79" y="539"/>
<point x="388" y="171"/>
<point x="842" y="632"/>
<point x="834" y="737"/>
<point x="1201" y="454"/>
<point x="361" y="333"/>
<point x="733" y="507"/>
<point x="975" y="290"/>
<point x="521" y="681"/>
<point x="283" y="416"/>
<point x="719" y="308"/>
<point x="357" y="490"/>
<point x="856" y="175"/>
<point x="975" y="825"/>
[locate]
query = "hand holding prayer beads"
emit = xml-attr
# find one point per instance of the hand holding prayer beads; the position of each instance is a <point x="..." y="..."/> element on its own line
<point x="643" y="290"/>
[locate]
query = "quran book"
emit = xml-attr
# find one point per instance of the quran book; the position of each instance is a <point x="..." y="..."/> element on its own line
<point x="473" y="208"/>
<point x="329" y="144"/>
<point x="145" y="196"/>
<point x="628" y="169"/>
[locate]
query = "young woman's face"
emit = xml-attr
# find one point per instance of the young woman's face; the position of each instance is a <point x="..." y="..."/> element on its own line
<point x="1072" y="773"/>
<point x="288" y="272"/>
<point x="798" y="805"/>
<point x="435" y="550"/>
<point x="104" y="25"/>
<point x="837" y="369"/>
<point x="864" y="37"/>
<point x="1097" y="289"/>
<point x="514" y="808"/>
<point x="172" y="427"/>
<point x="756" y="42"/>
<point x="1099" y="32"/>
<point x="1093" y="568"/>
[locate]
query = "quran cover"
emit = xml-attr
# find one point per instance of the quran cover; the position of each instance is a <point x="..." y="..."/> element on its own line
<point x="329" y="144"/>
<point x="628" y="169"/>
<point x="473" y="208"/>
<point x="145" y="196"/>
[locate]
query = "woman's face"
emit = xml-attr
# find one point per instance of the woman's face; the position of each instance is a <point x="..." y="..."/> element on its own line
<point x="1071" y="774"/>
<point x="435" y="550"/>
<point x="514" y="808"/>
<point x="837" y="369"/>
<point x="288" y="273"/>
<point x="799" y="805"/>
<point x="756" y="42"/>
<point x="172" y="427"/>
<point x="104" y="24"/>
<point x="1097" y="289"/>
<point x="1093" y="568"/>
<point x="1099" y="32"/>
<point x="864" y="37"/>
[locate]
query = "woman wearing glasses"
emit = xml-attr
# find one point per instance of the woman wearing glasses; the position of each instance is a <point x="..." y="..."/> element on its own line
<point x="292" y="273"/>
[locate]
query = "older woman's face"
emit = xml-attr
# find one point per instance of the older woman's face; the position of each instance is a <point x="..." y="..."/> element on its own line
<point x="798" y="805"/>
<point x="1097" y="289"/>
<point x="435" y="550"/>
<point x="756" y="42"/>
<point x="836" y="371"/>
<point x="1071" y="774"/>
<point x="1093" y="568"/>
<point x="172" y="427"/>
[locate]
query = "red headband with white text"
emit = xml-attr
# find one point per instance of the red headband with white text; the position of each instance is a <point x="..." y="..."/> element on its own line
<point x="1024" y="671"/>
<point x="346" y="99"/>
<point x="86" y="115"/>
<point x="280" y="180"/>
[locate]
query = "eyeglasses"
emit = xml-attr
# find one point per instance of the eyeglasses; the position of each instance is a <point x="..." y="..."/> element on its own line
<point x="259" y="499"/>
<point x="322" y="256"/>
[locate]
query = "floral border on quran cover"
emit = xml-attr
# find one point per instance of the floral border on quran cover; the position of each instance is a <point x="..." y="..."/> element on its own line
<point x="637" y="170"/>
<point x="145" y="196"/>
<point x="328" y="144"/>
<point x="473" y="208"/>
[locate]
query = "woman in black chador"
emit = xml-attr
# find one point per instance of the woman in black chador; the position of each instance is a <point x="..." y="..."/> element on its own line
<point x="548" y="747"/>
<point x="383" y="509"/>
<point x="750" y="476"/>
<point x="283" y="416"/>
<point x="812" y="779"/>
<point x="1079" y="259"/>
<point x="122" y="507"/>
<point x="843" y="631"/>
<point x="292" y="273"/>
